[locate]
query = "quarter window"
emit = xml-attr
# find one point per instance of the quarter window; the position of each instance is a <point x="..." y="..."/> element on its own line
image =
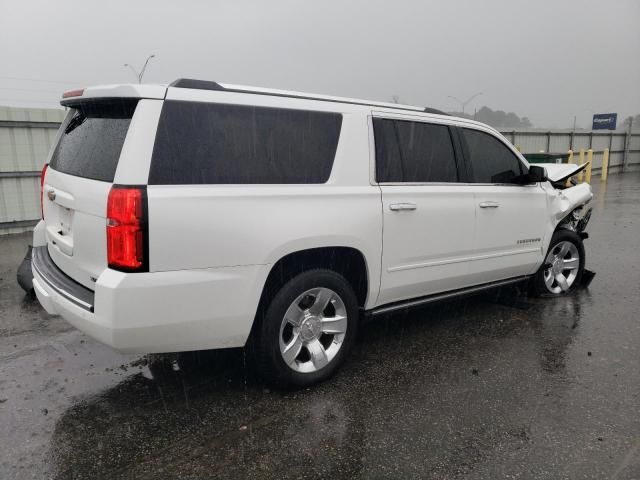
<point x="491" y="160"/>
<point x="413" y="152"/>
<point x="209" y="143"/>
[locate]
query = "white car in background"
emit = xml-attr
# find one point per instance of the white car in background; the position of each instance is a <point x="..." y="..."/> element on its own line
<point x="200" y="216"/>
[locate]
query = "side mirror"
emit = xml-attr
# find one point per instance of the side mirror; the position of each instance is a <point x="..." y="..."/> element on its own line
<point x="537" y="174"/>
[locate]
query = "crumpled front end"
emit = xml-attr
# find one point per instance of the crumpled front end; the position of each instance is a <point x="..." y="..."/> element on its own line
<point x="570" y="209"/>
<point x="570" y="205"/>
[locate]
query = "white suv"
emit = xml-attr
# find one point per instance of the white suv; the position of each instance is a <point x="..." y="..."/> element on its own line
<point x="200" y="215"/>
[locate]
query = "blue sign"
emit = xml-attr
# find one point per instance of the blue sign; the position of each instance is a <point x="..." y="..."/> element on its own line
<point x="605" y="121"/>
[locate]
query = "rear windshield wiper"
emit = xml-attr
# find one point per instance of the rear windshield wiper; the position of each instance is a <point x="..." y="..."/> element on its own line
<point x="77" y="120"/>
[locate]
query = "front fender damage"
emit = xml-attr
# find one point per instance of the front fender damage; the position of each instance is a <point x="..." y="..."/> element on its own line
<point x="570" y="209"/>
<point x="570" y="206"/>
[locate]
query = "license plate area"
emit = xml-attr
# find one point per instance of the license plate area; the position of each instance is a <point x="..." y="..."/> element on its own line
<point x="65" y="221"/>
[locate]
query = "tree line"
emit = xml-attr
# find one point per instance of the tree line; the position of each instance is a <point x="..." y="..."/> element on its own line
<point x="497" y="118"/>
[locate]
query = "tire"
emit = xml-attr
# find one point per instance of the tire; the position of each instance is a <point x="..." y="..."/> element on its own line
<point x="297" y="342"/>
<point x="560" y="262"/>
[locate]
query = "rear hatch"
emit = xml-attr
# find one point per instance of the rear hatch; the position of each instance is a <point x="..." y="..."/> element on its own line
<point x="77" y="183"/>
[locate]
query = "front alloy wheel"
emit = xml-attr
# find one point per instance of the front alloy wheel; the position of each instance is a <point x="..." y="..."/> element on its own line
<point x="563" y="264"/>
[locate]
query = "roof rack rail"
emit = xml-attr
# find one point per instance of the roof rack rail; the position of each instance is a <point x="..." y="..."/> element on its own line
<point x="209" y="85"/>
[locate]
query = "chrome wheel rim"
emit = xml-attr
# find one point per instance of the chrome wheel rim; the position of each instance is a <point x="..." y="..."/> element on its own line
<point x="313" y="330"/>
<point x="563" y="263"/>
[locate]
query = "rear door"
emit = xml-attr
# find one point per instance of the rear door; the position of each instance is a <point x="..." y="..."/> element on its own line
<point x="510" y="217"/>
<point x="77" y="183"/>
<point x="428" y="214"/>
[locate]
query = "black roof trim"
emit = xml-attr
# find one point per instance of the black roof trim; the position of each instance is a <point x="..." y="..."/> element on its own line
<point x="208" y="85"/>
<point x="196" y="84"/>
<point x="436" y="111"/>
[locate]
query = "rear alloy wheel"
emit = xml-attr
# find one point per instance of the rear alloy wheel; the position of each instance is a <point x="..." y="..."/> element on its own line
<point x="308" y="329"/>
<point x="313" y="330"/>
<point x="563" y="266"/>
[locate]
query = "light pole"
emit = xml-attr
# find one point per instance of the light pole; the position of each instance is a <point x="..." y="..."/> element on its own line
<point x="144" y="68"/>
<point x="465" y="102"/>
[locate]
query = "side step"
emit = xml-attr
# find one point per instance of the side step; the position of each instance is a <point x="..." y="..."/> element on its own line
<point x="437" y="297"/>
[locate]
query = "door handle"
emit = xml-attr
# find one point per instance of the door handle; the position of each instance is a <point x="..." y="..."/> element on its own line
<point x="402" y="206"/>
<point x="489" y="204"/>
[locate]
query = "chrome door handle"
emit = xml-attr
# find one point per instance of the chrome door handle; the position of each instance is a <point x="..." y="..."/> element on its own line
<point x="402" y="206"/>
<point x="489" y="204"/>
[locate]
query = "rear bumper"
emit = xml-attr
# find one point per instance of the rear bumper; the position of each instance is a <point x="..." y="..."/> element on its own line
<point x="55" y="279"/>
<point x="159" y="311"/>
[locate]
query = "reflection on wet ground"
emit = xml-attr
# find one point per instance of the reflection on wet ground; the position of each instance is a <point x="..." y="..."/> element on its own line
<point x="495" y="386"/>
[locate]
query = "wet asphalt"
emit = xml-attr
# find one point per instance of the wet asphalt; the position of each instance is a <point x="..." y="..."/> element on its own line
<point x="495" y="386"/>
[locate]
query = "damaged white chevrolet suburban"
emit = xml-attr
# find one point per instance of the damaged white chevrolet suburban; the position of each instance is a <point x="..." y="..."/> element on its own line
<point x="200" y="215"/>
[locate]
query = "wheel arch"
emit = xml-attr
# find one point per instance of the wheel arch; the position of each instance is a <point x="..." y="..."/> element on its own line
<point x="348" y="261"/>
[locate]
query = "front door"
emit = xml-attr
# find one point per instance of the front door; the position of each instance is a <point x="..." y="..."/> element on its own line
<point x="510" y="217"/>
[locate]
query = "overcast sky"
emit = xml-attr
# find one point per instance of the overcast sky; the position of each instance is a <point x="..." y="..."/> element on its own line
<point x="548" y="60"/>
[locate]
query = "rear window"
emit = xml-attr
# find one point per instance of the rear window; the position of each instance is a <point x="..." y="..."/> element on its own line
<point x="207" y="143"/>
<point x="91" y="143"/>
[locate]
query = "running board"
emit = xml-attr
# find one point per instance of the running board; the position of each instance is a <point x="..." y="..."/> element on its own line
<point x="437" y="297"/>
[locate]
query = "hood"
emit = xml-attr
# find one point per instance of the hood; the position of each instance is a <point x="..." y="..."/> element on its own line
<point x="557" y="172"/>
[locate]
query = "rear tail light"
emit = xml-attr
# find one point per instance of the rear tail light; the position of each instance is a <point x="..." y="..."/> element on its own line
<point x="42" y="175"/>
<point x="127" y="229"/>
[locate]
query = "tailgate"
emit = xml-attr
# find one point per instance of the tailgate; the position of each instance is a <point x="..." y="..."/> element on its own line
<point x="77" y="184"/>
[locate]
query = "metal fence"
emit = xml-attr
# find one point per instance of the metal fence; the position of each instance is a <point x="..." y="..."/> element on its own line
<point x="624" y="147"/>
<point x="26" y="136"/>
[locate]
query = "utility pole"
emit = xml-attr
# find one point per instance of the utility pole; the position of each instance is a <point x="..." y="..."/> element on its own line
<point x="465" y="102"/>
<point x="144" y="68"/>
<point x="627" y="142"/>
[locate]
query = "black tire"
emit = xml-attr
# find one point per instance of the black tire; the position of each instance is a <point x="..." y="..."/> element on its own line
<point x="266" y="342"/>
<point x="538" y="286"/>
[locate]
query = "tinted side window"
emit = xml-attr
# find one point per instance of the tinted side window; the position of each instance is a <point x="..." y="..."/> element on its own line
<point x="491" y="160"/>
<point x="91" y="143"/>
<point x="413" y="152"/>
<point x="207" y="143"/>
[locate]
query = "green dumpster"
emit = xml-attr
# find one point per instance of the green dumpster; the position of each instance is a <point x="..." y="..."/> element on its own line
<point x="543" y="157"/>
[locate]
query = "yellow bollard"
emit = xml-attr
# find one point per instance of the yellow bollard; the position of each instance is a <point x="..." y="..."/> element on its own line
<point x="519" y="148"/>
<point x="605" y="165"/>
<point x="587" y="174"/>
<point x="569" y="160"/>
<point x="580" y="163"/>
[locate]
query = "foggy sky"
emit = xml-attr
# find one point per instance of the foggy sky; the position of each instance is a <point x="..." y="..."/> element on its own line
<point x="548" y="60"/>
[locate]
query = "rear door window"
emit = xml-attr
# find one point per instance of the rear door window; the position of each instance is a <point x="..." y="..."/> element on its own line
<point x="209" y="143"/>
<point x="491" y="160"/>
<point x="91" y="142"/>
<point x="415" y="152"/>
